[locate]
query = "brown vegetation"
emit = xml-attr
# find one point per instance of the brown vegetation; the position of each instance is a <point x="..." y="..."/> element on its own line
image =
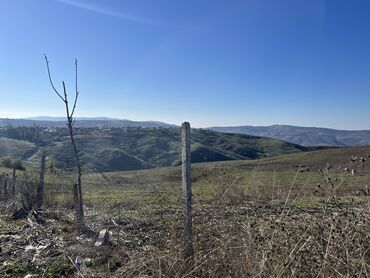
<point x="242" y="227"/>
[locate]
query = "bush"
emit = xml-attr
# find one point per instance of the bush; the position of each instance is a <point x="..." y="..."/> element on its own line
<point x="51" y="166"/>
<point x="13" y="164"/>
<point x="17" y="164"/>
<point x="7" y="162"/>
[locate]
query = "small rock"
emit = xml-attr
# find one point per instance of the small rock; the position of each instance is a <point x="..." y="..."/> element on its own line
<point x="88" y="262"/>
<point x="30" y="222"/>
<point x="103" y="238"/>
<point x="78" y="261"/>
<point x="30" y="248"/>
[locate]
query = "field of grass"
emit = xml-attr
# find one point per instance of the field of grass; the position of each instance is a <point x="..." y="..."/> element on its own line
<point x="250" y="218"/>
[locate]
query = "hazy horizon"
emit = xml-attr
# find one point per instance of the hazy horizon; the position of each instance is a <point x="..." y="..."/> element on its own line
<point x="174" y="123"/>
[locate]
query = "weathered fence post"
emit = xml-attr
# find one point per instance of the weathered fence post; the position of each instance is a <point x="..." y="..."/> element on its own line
<point x="2" y="181"/>
<point x="186" y="184"/>
<point x="41" y="185"/>
<point x="13" y="182"/>
<point x="6" y="184"/>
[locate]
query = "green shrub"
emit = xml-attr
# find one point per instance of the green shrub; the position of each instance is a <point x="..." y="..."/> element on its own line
<point x="7" y="162"/>
<point x="13" y="164"/>
<point x="17" y="164"/>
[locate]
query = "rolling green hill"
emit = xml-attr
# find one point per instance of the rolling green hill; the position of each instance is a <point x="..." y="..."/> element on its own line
<point x="80" y="122"/>
<point x="284" y="166"/>
<point x="133" y="148"/>
<point x="14" y="148"/>
<point x="339" y="158"/>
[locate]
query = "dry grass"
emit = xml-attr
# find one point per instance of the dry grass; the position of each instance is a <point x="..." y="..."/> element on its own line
<point x="246" y="224"/>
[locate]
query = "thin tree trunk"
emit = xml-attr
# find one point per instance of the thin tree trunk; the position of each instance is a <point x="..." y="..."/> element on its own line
<point x="79" y="205"/>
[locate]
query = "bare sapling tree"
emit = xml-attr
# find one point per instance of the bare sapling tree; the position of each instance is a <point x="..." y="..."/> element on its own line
<point x="80" y="222"/>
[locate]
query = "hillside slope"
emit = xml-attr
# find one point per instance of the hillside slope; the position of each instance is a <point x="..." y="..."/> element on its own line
<point x="80" y="122"/>
<point x="305" y="136"/>
<point x="339" y="158"/>
<point x="14" y="148"/>
<point x="141" y="148"/>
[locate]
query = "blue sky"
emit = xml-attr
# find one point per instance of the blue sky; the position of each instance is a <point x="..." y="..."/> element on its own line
<point x="260" y="62"/>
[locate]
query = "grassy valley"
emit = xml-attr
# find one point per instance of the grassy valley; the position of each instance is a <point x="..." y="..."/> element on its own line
<point x="131" y="148"/>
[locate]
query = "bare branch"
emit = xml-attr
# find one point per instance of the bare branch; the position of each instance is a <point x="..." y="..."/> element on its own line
<point x="76" y="76"/>
<point x="74" y="105"/>
<point x="77" y="92"/>
<point x="65" y="92"/>
<point x="50" y="80"/>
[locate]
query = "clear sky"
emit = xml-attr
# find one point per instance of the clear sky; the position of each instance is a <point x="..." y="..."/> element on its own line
<point x="253" y="62"/>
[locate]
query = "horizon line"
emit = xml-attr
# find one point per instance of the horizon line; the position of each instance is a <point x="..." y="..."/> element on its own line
<point x="84" y="118"/>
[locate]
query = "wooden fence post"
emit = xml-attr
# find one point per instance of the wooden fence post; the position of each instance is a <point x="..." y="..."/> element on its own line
<point x="2" y="178"/>
<point x="6" y="184"/>
<point x="186" y="185"/>
<point x="41" y="185"/>
<point x="13" y="182"/>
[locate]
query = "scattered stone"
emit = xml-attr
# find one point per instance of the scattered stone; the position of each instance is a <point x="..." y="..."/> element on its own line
<point x="103" y="238"/>
<point x="78" y="261"/>
<point x="30" y="248"/>
<point x="88" y="262"/>
<point x="30" y="222"/>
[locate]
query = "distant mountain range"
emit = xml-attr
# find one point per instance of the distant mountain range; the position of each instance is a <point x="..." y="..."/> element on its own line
<point x="60" y="119"/>
<point x="103" y="122"/>
<point x="304" y="136"/>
